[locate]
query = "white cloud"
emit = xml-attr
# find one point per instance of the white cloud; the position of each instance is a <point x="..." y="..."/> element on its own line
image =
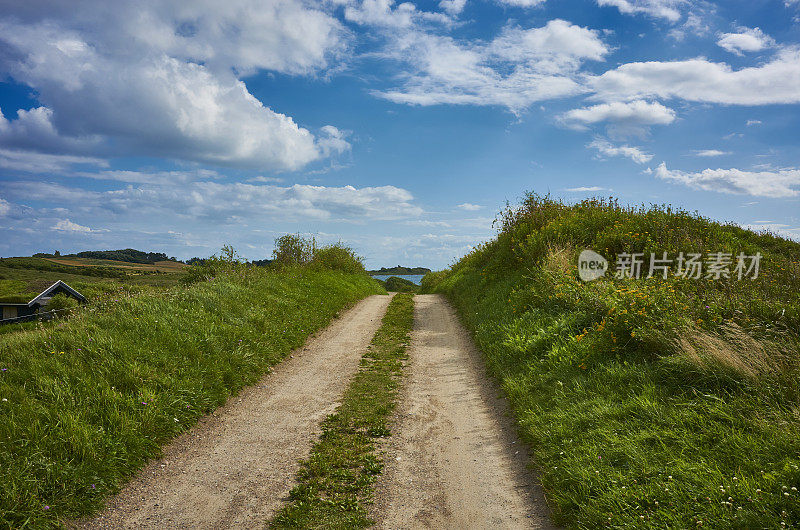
<point x="453" y="7"/>
<point x="517" y="68"/>
<point x="332" y="141"/>
<point x="774" y="82"/>
<point x="606" y="148"/>
<point x="387" y="14"/>
<point x="750" y="123"/>
<point x="65" y="225"/>
<point x="779" y="229"/>
<point x="203" y="201"/>
<point x="160" y="78"/>
<point x="265" y="180"/>
<point x="668" y="9"/>
<point x="710" y="152"/>
<point x="521" y="3"/>
<point x="585" y="189"/>
<point x="33" y="162"/>
<point x="746" y="40"/>
<point x="634" y="113"/>
<point x="5" y="207"/>
<point x="781" y="183"/>
<point x="470" y="207"/>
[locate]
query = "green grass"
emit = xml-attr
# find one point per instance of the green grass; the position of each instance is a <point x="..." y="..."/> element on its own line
<point x="399" y="285"/>
<point x="647" y="403"/>
<point x="21" y="279"/>
<point x="87" y="400"/>
<point x="335" y="482"/>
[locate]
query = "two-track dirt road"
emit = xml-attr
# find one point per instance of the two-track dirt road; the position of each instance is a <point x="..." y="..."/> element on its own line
<point x="235" y="468"/>
<point x="453" y="460"/>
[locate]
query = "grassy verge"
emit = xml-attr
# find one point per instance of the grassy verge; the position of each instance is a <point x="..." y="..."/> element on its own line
<point x="86" y="401"/>
<point x="335" y="482"/>
<point x="662" y="403"/>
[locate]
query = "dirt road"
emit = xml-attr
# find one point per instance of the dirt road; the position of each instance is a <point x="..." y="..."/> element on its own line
<point x="453" y="460"/>
<point x="236" y="467"/>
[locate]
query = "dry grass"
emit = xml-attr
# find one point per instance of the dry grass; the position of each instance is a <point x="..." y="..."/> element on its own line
<point x="733" y="348"/>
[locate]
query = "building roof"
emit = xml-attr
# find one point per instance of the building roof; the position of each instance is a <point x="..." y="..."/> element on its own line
<point x="43" y="297"/>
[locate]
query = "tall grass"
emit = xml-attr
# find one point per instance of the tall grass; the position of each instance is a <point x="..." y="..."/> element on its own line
<point x="650" y="402"/>
<point x="85" y="402"/>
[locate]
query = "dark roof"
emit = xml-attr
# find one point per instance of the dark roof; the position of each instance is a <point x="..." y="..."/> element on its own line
<point x="57" y="287"/>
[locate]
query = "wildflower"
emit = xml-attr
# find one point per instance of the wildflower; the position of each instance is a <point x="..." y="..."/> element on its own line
<point x="46" y="507"/>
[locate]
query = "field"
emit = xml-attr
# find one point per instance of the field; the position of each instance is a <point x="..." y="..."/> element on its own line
<point x="21" y="279"/>
<point x="160" y="266"/>
<point x="86" y="401"/>
<point x="647" y="402"/>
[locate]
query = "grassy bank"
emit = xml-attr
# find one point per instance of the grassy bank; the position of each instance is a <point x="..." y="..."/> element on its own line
<point x="86" y="401"/>
<point x="647" y="402"/>
<point x="335" y="482"/>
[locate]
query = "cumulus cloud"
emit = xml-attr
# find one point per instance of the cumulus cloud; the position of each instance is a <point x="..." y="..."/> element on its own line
<point x="668" y="9"/>
<point x="470" y="207"/>
<point x="634" y="113"/>
<point x="387" y="14"/>
<point x="162" y="78"/>
<point x="745" y="40"/>
<point x="774" y="82"/>
<point x="606" y="148"/>
<point x="65" y="225"/>
<point x="518" y="67"/>
<point x="453" y="7"/>
<point x="776" y="184"/>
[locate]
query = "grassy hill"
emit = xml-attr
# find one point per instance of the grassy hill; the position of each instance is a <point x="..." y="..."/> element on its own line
<point x="23" y="278"/>
<point x="86" y="401"/>
<point x="647" y="402"/>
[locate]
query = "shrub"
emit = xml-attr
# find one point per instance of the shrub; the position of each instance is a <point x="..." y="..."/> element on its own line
<point x="400" y="285"/>
<point x="293" y="249"/>
<point x="61" y="303"/>
<point x="338" y="257"/>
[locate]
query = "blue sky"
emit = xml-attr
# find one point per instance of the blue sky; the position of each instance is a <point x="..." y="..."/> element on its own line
<point x="398" y="128"/>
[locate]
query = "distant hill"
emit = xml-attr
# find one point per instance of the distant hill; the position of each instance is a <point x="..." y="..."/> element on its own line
<point x="398" y="269"/>
<point x="128" y="255"/>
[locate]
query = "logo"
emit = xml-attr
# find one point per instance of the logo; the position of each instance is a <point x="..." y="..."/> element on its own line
<point x="591" y="265"/>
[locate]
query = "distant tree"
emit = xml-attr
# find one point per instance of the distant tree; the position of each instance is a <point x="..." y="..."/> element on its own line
<point x="56" y="253"/>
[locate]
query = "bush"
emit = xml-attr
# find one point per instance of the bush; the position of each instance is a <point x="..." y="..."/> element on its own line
<point x="338" y="257"/>
<point x="61" y="302"/>
<point x="293" y="249"/>
<point x="400" y="285"/>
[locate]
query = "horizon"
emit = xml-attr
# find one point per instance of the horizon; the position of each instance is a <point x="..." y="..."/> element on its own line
<point x="400" y="129"/>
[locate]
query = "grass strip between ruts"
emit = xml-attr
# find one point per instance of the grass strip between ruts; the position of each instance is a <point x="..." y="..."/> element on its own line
<point x="335" y="482"/>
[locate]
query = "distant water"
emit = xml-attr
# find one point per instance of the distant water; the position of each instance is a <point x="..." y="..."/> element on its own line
<point x="416" y="278"/>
